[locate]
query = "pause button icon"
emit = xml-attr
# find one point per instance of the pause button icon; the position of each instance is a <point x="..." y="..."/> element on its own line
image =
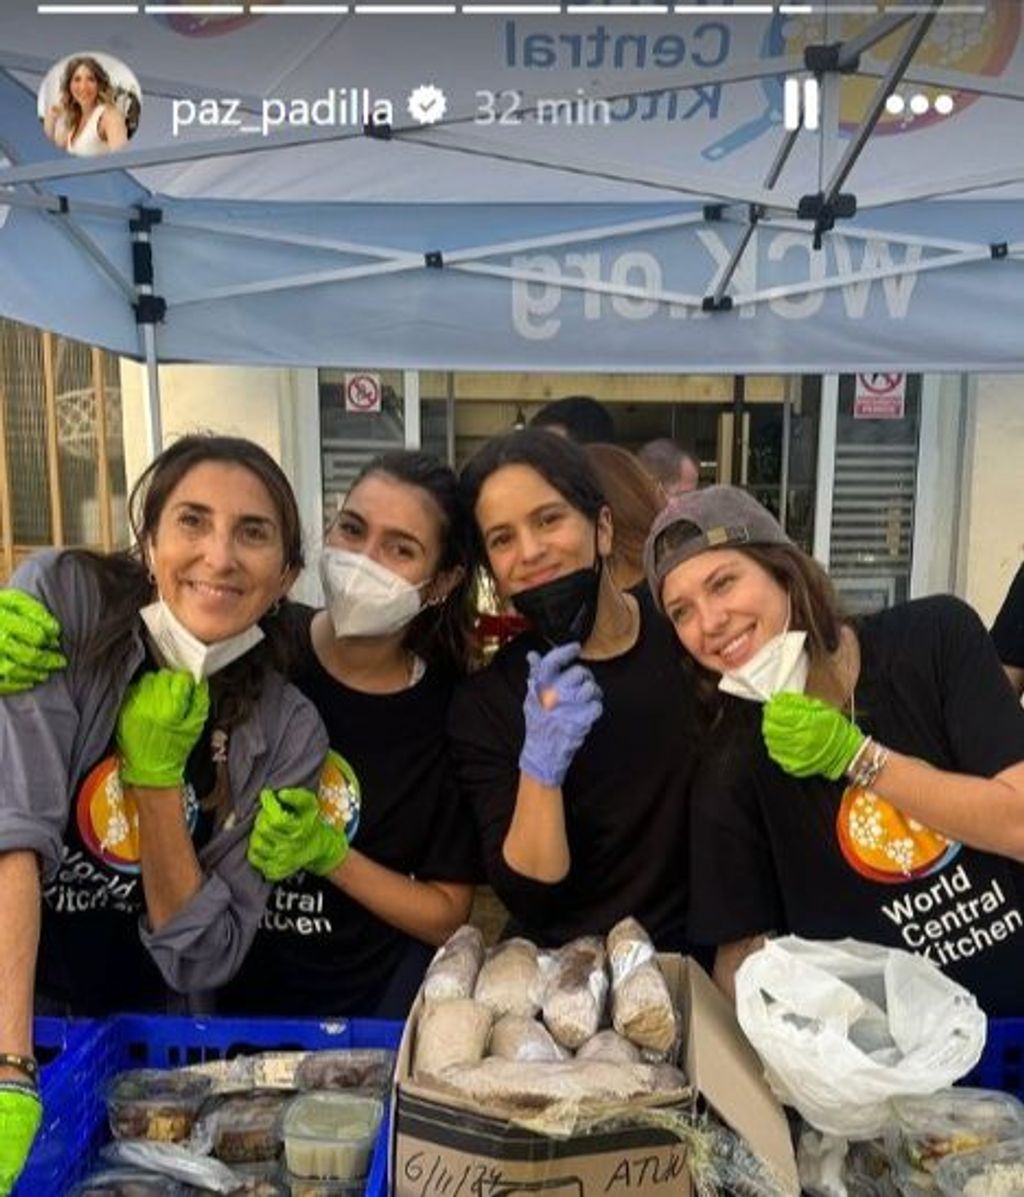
<point x="801" y="104"/>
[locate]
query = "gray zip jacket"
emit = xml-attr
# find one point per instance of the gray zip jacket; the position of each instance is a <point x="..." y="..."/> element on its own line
<point x="52" y="735"/>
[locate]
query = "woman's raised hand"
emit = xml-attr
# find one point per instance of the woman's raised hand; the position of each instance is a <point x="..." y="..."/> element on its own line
<point x="160" y="721"/>
<point x="291" y="834"/>
<point x="563" y="702"/>
<point x="808" y="737"/>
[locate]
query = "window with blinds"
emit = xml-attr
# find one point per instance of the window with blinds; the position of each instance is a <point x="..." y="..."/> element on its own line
<point x="873" y="502"/>
<point x="62" y="475"/>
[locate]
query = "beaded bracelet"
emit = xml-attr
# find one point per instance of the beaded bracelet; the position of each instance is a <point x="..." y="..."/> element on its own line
<point x="857" y="759"/>
<point x="24" y="1064"/>
<point x="868" y="768"/>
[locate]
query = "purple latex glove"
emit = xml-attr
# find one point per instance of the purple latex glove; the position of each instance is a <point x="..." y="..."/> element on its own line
<point x="562" y="704"/>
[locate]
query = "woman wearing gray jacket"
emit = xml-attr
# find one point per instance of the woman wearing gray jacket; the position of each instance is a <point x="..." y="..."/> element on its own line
<point x="131" y="778"/>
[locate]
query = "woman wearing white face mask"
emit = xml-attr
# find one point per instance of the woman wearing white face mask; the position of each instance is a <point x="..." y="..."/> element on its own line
<point x="130" y="778"/>
<point x="865" y="779"/>
<point x="357" y="909"/>
<point x="350" y="926"/>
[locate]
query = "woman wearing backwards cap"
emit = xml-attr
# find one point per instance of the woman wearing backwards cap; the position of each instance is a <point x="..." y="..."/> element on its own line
<point x="864" y="778"/>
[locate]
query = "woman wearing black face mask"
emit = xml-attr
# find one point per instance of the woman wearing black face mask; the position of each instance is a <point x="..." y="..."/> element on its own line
<point x="575" y="745"/>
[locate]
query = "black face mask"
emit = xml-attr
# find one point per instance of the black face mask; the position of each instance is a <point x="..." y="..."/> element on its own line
<point x="565" y="609"/>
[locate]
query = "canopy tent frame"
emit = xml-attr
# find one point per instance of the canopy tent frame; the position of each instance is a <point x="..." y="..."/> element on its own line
<point x="901" y="60"/>
<point x="395" y="260"/>
<point x="769" y="205"/>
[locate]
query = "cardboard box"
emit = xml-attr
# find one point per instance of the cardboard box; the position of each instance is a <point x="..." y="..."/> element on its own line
<point x="441" y="1147"/>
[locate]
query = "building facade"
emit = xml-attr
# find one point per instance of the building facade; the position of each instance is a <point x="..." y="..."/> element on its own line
<point x="903" y="487"/>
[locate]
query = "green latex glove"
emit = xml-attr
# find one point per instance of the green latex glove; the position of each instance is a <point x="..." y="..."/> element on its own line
<point x="290" y="834"/>
<point x="20" y="1115"/>
<point x="29" y="642"/>
<point x="161" y="718"/>
<point x="808" y="737"/>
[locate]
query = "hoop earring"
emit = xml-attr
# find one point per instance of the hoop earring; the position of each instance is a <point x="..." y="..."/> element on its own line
<point x="275" y="607"/>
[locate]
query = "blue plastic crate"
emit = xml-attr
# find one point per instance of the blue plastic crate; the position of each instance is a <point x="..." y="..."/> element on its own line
<point x="1002" y="1063"/>
<point x="52" y="1037"/>
<point x="75" y="1116"/>
<point x="55" y="1042"/>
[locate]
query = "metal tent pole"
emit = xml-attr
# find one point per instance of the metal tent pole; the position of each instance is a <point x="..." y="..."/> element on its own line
<point x="149" y="309"/>
<point x="154" y="429"/>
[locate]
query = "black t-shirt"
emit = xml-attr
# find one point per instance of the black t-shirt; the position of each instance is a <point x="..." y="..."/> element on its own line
<point x="1008" y="629"/>
<point x="824" y="860"/>
<point x="387" y="779"/>
<point x="626" y="793"/>
<point x="91" y="960"/>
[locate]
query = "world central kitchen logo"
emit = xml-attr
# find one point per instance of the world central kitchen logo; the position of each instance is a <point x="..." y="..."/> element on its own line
<point x="972" y="43"/>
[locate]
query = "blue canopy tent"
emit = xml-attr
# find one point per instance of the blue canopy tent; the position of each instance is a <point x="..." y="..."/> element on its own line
<point x="661" y="219"/>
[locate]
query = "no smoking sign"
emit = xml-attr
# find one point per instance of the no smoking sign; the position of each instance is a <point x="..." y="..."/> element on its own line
<point x="362" y="392"/>
<point x="879" y="396"/>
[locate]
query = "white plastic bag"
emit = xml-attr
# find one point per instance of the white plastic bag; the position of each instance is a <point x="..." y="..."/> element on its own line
<point x="842" y="1027"/>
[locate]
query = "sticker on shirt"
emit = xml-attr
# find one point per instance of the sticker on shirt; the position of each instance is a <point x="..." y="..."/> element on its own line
<point x="339" y="793"/>
<point x="883" y="844"/>
<point x="108" y="819"/>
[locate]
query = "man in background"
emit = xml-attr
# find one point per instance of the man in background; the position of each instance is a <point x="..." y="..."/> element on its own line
<point x="675" y="470"/>
<point x="580" y="418"/>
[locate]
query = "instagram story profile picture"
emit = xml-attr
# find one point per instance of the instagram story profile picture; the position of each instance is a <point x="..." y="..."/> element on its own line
<point x="90" y="103"/>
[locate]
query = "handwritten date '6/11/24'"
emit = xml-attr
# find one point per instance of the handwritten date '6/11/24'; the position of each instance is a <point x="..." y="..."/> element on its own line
<point x="512" y="107"/>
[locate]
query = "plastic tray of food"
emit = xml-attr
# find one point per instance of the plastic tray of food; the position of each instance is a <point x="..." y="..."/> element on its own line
<point x="925" y="1130"/>
<point x="127" y="1182"/>
<point x="996" y="1171"/>
<point x="329" y="1135"/>
<point x="151" y="1103"/>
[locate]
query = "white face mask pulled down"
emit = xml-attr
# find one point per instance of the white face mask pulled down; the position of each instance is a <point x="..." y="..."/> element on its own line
<point x="780" y="664"/>
<point x="179" y="649"/>
<point x="364" y="598"/>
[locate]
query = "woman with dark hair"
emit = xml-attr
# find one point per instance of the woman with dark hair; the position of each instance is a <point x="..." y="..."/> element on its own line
<point x="575" y="744"/>
<point x="377" y="868"/>
<point x="131" y="776"/>
<point x="353" y="933"/>
<point x="866" y="779"/>
<point x="87" y="120"/>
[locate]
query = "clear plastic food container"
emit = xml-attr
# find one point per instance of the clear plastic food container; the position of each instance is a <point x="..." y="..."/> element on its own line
<point x="329" y="1135"/>
<point x="868" y="1171"/>
<point x="347" y="1068"/>
<point x="263" y="1179"/>
<point x="126" y="1182"/>
<point x="990" y="1172"/>
<point x="150" y="1104"/>
<point x="926" y="1130"/>
<point x="243" y="1128"/>
<point x="303" y="1186"/>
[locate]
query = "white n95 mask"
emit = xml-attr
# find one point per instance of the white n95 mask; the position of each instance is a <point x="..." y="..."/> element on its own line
<point x="179" y="649"/>
<point x="363" y="597"/>
<point x="780" y="664"/>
